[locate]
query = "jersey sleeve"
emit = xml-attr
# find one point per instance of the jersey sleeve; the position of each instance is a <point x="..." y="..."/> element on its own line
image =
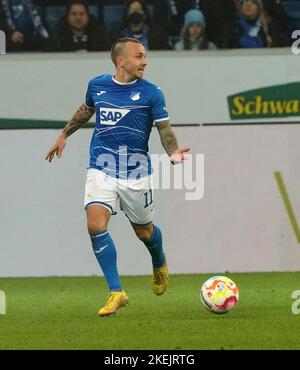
<point x="158" y="108"/>
<point x="88" y="97"/>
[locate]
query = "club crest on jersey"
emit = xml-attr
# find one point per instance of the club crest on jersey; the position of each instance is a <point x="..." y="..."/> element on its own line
<point x="111" y="116"/>
<point x="135" y="95"/>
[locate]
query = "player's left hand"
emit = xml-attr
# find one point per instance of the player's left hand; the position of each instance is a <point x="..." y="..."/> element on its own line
<point x="178" y="155"/>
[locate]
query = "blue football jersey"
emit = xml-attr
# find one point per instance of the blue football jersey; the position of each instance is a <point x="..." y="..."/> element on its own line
<point x="125" y="113"/>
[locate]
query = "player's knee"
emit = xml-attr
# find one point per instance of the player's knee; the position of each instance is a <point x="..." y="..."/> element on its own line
<point x="95" y="227"/>
<point x="144" y="234"/>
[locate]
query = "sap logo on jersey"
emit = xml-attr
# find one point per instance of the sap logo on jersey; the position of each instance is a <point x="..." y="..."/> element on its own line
<point x="111" y="116"/>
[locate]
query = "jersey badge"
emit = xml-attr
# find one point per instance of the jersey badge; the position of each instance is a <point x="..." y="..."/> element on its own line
<point x="135" y="95"/>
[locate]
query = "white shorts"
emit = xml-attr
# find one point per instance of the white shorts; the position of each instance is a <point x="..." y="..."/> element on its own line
<point x="134" y="197"/>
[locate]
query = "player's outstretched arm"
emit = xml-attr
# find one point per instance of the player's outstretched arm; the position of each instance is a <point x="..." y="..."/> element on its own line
<point x="80" y="117"/>
<point x="169" y="142"/>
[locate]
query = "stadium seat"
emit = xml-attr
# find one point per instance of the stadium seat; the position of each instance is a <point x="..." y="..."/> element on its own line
<point x="53" y="15"/>
<point x="93" y="10"/>
<point x="292" y="9"/>
<point x="112" y="16"/>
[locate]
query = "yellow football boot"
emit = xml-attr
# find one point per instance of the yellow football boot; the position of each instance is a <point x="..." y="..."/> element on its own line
<point x="160" y="279"/>
<point x="114" y="301"/>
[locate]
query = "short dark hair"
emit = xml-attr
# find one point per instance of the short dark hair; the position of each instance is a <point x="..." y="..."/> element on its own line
<point x="78" y="2"/>
<point x="148" y="18"/>
<point x="116" y="48"/>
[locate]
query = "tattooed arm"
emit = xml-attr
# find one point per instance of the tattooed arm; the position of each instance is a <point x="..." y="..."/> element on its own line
<point x="169" y="142"/>
<point x="80" y="117"/>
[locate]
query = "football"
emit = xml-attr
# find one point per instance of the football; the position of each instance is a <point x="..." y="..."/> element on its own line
<point x="219" y="294"/>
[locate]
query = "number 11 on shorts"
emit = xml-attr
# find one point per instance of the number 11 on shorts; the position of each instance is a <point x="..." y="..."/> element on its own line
<point x="148" y="198"/>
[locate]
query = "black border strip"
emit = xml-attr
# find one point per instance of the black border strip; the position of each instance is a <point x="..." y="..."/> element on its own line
<point x="30" y="124"/>
<point x="24" y="124"/>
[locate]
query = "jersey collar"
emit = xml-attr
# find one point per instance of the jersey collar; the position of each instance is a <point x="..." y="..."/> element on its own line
<point x="123" y="83"/>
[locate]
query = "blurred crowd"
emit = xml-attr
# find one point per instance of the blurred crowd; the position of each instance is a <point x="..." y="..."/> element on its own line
<point x="159" y="24"/>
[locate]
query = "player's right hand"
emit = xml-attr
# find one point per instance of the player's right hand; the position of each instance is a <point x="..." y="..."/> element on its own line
<point x="57" y="148"/>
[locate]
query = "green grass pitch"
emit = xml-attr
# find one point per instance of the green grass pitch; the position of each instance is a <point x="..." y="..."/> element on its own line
<point x="60" y="313"/>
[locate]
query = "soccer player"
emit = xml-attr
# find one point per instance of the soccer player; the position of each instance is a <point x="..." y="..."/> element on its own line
<point x="126" y="105"/>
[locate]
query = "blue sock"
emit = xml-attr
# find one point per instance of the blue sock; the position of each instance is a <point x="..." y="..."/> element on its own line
<point x="106" y="254"/>
<point x="155" y="247"/>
